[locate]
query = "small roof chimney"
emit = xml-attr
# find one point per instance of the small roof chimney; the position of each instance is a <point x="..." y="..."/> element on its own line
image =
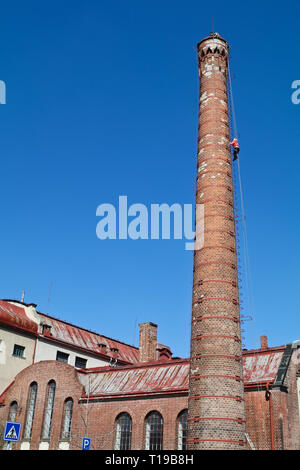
<point x="46" y="329"/>
<point x="264" y="342"/>
<point x="148" y="342"/>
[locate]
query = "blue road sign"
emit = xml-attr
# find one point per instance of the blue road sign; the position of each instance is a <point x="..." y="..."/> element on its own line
<point x="12" y="431"/>
<point x="86" y="442"/>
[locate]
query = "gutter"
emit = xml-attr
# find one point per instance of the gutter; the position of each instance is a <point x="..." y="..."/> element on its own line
<point x="132" y="394"/>
<point x="35" y="343"/>
<point x="259" y="385"/>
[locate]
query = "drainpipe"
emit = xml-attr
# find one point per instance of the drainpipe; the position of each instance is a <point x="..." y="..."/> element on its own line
<point x="269" y="399"/>
<point x="33" y="357"/>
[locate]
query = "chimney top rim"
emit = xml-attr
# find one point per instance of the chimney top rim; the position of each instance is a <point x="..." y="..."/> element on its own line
<point x="213" y="36"/>
<point x="148" y="323"/>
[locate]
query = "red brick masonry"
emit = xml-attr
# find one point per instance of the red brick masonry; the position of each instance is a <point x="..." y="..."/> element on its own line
<point x="157" y="385"/>
<point x="216" y="399"/>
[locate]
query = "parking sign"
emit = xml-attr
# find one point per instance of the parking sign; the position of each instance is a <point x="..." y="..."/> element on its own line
<point x="86" y="442"/>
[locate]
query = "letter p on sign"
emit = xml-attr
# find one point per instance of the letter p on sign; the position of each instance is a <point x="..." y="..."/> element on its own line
<point x="86" y="442"/>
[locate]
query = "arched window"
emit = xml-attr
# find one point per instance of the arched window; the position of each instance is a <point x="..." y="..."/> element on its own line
<point x="67" y="419"/>
<point x="154" y="431"/>
<point x="182" y="430"/>
<point x="48" y="410"/>
<point x="13" y="411"/>
<point x="123" y="432"/>
<point x="30" y="410"/>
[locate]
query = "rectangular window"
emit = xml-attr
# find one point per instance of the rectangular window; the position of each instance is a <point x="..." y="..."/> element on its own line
<point x="80" y="362"/>
<point x="62" y="357"/>
<point x="18" y="350"/>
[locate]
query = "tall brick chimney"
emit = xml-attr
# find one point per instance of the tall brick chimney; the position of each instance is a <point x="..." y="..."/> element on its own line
<point x="216" y="415"/>
<point x="148" y="342"/>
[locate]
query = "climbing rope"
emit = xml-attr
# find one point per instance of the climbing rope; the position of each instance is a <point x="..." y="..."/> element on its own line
<point x="247" y="267"/>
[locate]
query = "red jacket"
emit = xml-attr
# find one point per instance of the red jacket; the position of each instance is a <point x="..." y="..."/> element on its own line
<point x="235" y="144"/>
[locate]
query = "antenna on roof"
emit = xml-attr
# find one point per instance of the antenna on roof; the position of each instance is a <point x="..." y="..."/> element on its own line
<point x="134" y="332"/>
<point x="23" y="295"/>
<point x="50" y="290"/>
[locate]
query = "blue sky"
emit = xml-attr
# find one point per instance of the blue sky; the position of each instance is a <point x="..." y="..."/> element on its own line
<point x="102" y="101"/>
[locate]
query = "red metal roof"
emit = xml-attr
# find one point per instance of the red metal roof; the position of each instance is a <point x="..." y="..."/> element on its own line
<point x="261" y="366"/>
<point x="88" y="340"/>
<point x="166" y="377"/>
<point x="72" y="335"/>
<point x="15" y="316"/>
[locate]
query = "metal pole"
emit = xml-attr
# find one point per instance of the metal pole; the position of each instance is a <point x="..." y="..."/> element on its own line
<point x="87" y="405"/>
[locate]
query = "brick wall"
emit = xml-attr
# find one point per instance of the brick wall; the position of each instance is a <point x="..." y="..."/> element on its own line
<point x="101" y="424"/>
<point x="291" y="427"/>
<point x="67" y="385"/>
<point x="258" y="419"/>
<point x="284" y="408"/>
<point x="102" y="414"/>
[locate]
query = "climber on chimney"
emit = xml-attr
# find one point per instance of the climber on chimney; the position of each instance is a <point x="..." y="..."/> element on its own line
<point x="236" y="148"/>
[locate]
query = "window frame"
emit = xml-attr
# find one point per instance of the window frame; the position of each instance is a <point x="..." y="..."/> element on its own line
<point x="67" y="420"/>
<point x="30" y="409"/>
<point x="13" y="410"/>
<point x="149" y="437"/>
<point x="123" y="437"/>
<point x="48" y="411"/>
<point x="22" y="349"/>
<point x="62" y="354"/>
<point x="81" y="359"/>
<point x="181" y="434"/>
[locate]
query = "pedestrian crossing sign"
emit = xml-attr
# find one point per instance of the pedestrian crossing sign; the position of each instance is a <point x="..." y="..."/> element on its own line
<point x="12" y="431"/>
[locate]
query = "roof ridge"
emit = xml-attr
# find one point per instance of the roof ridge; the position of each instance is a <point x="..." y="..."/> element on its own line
<point x="136" y="365"/>
<point x="264" y="350"/>
<point x="86" y="329"/>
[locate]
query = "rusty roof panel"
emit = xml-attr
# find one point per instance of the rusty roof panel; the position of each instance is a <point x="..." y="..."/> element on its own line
<point x="79" y="337"/>
<point x="261" y="367"/>
<point x="169" y="376"/>
<point x="165" y="377"/>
